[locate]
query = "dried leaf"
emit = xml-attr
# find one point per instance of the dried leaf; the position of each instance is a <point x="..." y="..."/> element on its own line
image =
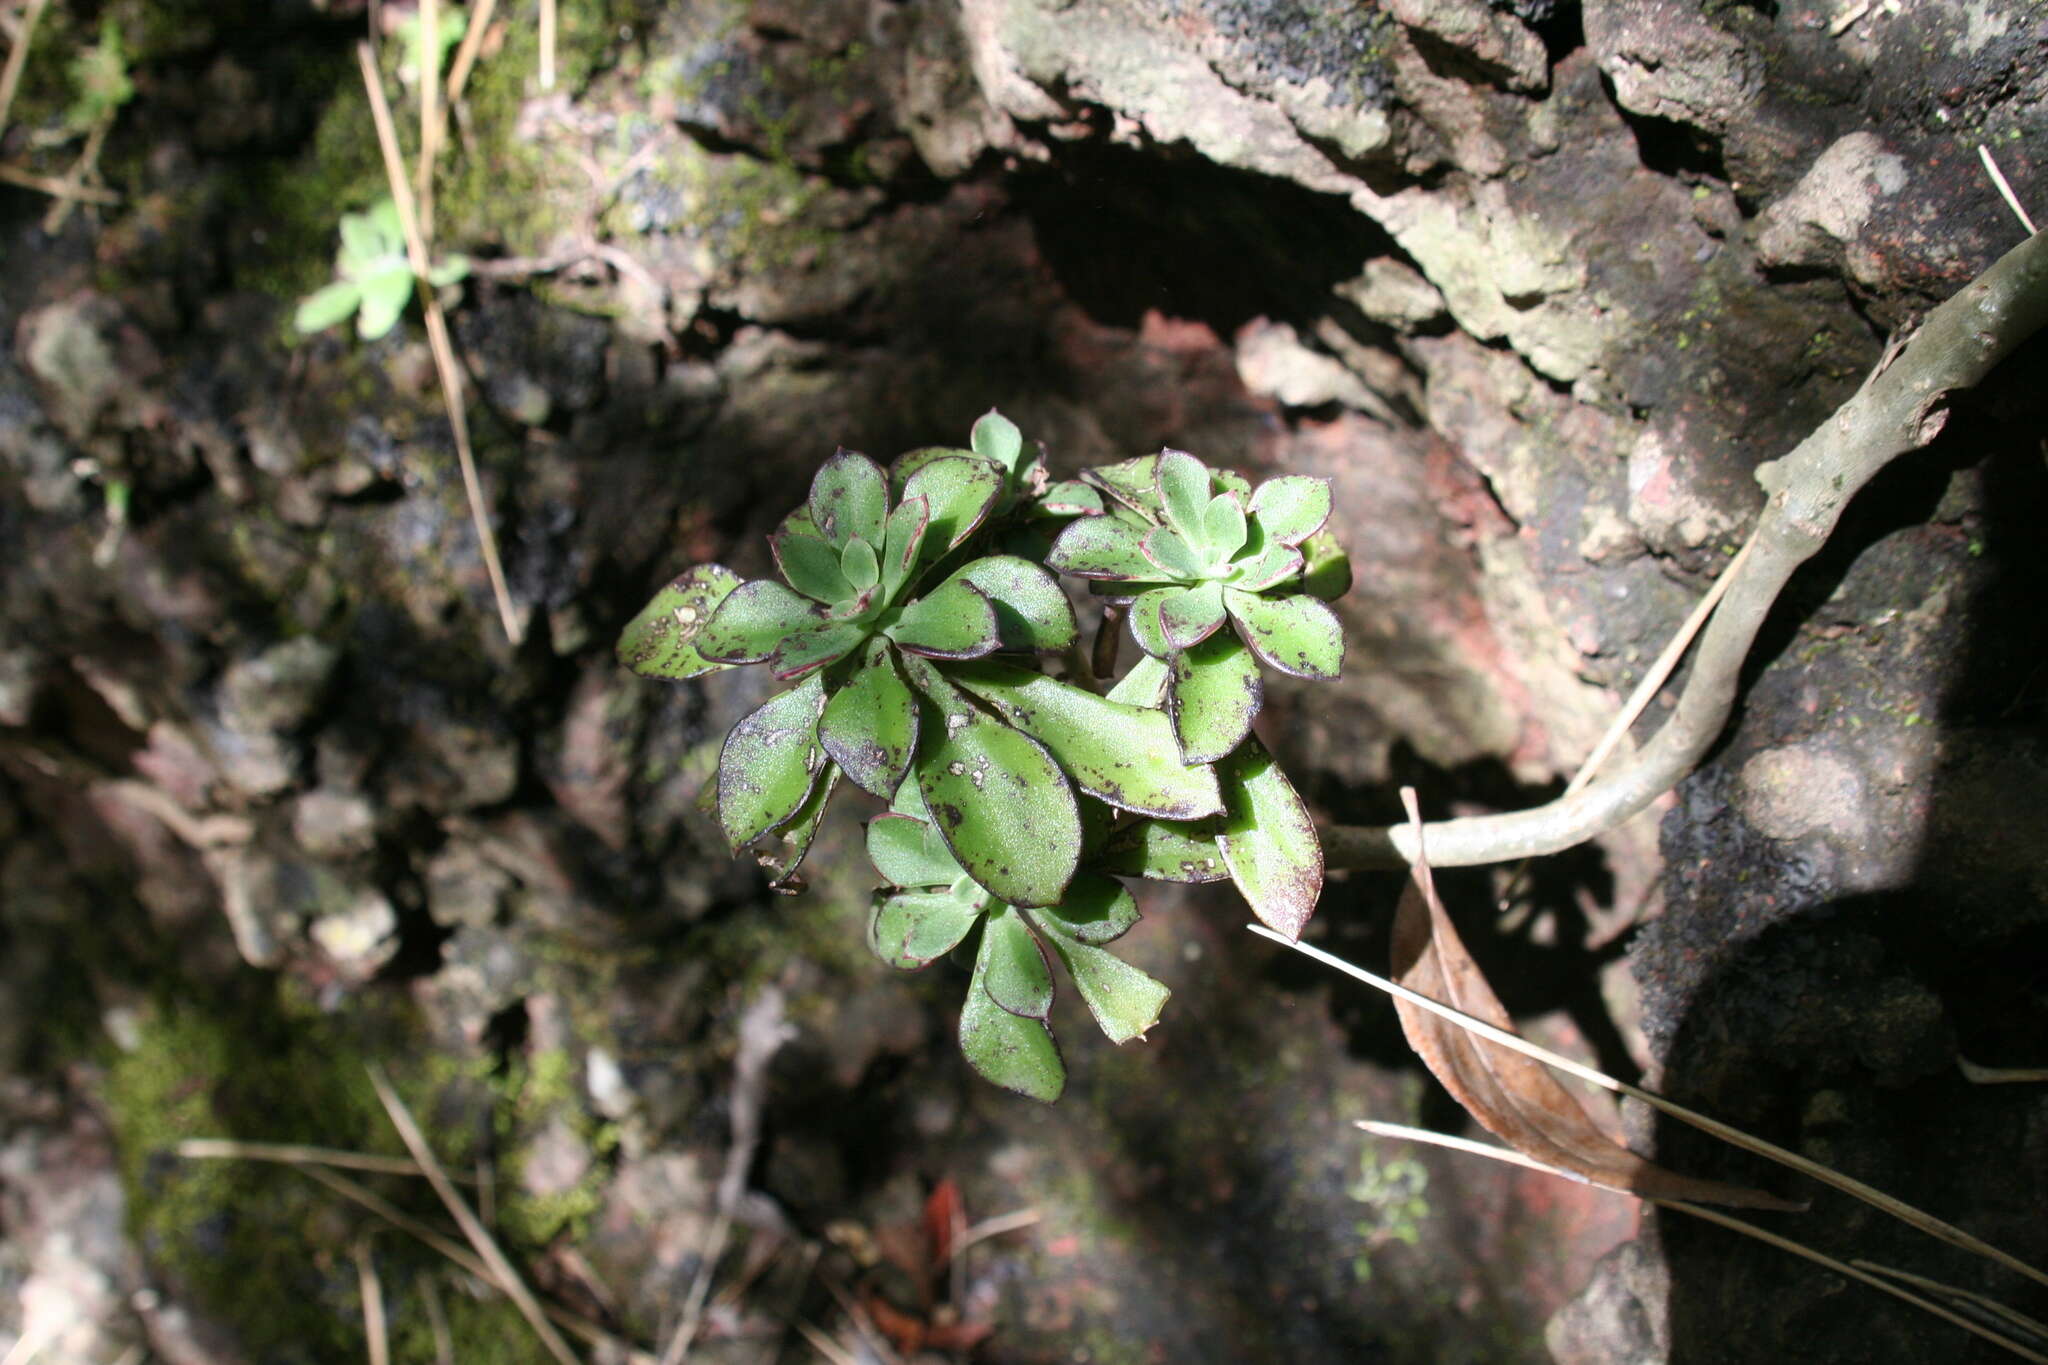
<point x="1514" y="1097"/>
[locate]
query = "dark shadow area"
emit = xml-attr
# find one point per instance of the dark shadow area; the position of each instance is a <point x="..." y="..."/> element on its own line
<point x="1830" y="1019"/>
<point x="1128" y="232"/>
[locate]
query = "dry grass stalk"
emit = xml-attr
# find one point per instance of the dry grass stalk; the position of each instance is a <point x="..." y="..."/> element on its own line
<point x="295" y="1154"/>
<point x="1897" y="1208"/>
<point x="51" y="185"/>
<point x="2012" y="201"/>
<point x="479" y="1236"/>
<point x="17" y="56"/>
<point x="372" y="1288"/>
<point x="437" y="339"/>
<point x="1514" y="1158"/>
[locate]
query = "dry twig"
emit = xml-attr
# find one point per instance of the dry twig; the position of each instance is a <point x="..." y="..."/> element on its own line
<point x="17" y="57"/>
<point x="372" y="1289"/>
<point x="1898" y="411"/>
<point x="437" y="339"/>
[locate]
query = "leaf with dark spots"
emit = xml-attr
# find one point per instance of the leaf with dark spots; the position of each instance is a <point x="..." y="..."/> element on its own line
<point x="1018" y="977"/>
<point x="661" y="641"/>
<point x="1292" y="507"/>
<point x="1032" y="613"/>
<point x="910" y="461"/>
<point x="1224" y="527"/>
<point x="870" y="725"/>
<point x="1268" y="840"/>
<point x="1514" y="1097"/>
<point x="1101" y="547"/>
<point x="1070" y="498"/>
<point x="996" y="439"/>
<point x="995" y="794"/>
<point x="1125" y="1001"/>
<point x="753" y="622"/>
<point x="1146" y="623"/>
<point x="1273" y="565"/>
<point x="811" y="566"/>
<point x="1144" y="685"/>
<point x="1008" y="1049"/>
<point x="1186" y="619"/>
<point x="1327" y="572"/>
<point x="1183" y="488"/>
<point x="791" y="840"/>
<point x="807" y="651"/>
<point x="913" y="929"/>
<point x="960" y="491"/>
<point x="907" y="851"/>
<point x="1296" y="634"/>
<point x="1124" y="755"/>
<point x="1214" y="695"/>
<point x="953" y="621"/>
<point x="849" y="497"/>
<point x="1096" y="910"/>
<point x="1171" y="556"/>
<point x="901" y="541"/>
<point x="769" y="762"/>
<point x="1165" y="851"/>
<point x="1131" y="482"/>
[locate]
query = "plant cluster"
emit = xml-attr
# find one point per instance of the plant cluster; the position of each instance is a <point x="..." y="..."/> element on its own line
<point x="933" y="660"/>
<point x="375" y="276"/>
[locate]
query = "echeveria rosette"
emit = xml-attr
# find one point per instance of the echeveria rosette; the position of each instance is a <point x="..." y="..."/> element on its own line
<point x="1193" y="549"/>
<point x="932" y="905"/>
<point x="851" y="613"/>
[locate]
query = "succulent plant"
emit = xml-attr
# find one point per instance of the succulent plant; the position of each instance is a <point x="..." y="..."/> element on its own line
<point x="1017" y="796"/>
<point x="1191" y="549"/>
<point x="376" y="276"/>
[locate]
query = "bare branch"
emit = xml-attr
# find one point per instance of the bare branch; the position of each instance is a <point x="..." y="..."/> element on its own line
<point x="1899" y="410"/>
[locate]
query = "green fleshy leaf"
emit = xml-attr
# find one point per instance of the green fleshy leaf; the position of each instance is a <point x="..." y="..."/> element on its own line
<point x="870" y="725"/>
<point x="1183" y="493"/>
<point x="861" y="565"/>
<point x="953" y="621"/>
<point x="1125" y="1001"/>
<point x="661" y="641"/>
<point x="811" y="566"/>
<point x="1070" y="498"/>
<point x="849" y="497"/>
<point x="449" y="269"/>
<point x="1120" y="754"/>
<point x="1186" y="619"/>
<point x="809" y="650"/>
<point x="1328" y="572"/>
<point x="1101" y="547"/>
<point x="1146" y="627"/>
<point x="1133" y="482"/>
<point x="1230" y="481"/>
<point x="1096" y="910"/>
<point x="793" y="837"/>
<point x="384" y="298"/>
<point x="1165" y="851"/>
<point x="960" y="491"/>
<point x="910" y="461"/>
<point x="1272" y="565"/>
<point x="913" y="929"/>
<point x="364" y="243"/>
<point x="901" y="543"/>
<point x="995" y="795"/>
<point x="1214" y="695"/>
<point x="1144" y="685"/>
<point x="1171" y="556"/>
<point x="1296" y="634"/>
<point x="1007" y="1049"/>
<point x="997" y="440"/>
<point x="907" y="851"/>
<point x="326" y="306"/>
<point x="1016" y="974"/>
<point x="1268" y="840"/>
<point x="1292" y="507"/>
<point x="769" y="762"/>
<point x="1032" y="613"/>
<point x="1224" y="527"/>
<point x="754" y="621"/>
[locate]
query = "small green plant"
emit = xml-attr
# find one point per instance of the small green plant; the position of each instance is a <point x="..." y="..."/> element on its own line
<point x="1018" y="792"/>
<point x="99" y="76"/>
<point x="375" y="276"/>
